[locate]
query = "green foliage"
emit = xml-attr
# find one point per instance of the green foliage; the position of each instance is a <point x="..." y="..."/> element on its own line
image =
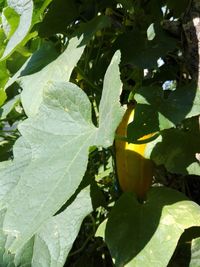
<point x="195" y="250"/>
<point x="146" y="234"/>
<point x="18" y="28"/>
<point x="67" y="70"/>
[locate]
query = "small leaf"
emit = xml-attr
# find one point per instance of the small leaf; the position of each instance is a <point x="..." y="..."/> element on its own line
<point x="151" y="32"/>
<point x="10" y="21"/>
<point x="9" y="106"/>
<point x="147" y="234"/>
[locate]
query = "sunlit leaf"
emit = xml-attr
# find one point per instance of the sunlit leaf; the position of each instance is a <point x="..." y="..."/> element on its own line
<point x="195" y="253"/>
<point x="24" y="8"/>
<point x="60" y="69"/>
<point x="55" y="171"/>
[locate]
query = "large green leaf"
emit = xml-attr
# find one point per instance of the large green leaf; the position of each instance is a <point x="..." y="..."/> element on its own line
<point x="51" y="251"/>
<point x="11" y="171"/>
<point x="59" y="135"/>
<point x="176" y="150"/>
<point x="147" y="234"/>
<point x="156" y="112"/>
<point x="24" y="8"/>
<point x="195" y="253"/>
<point x="42" y="57"/>
<point x="52" y="243"/>
<point x="60" y="69"/>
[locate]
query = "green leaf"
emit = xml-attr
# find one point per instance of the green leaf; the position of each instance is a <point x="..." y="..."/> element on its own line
<point x="6" y="149"/>
<point x="195" y="253"/>
<point x="24" y="9"/>
<point x="138" y="51"/>
<point x="10" y="21"/>
<point x="11" y="171"/>
<point x="51" y="251"/>
<point x="151" y="32"/>
<point x="4" y="75"/>
<point x="52" y="243"/>
<point x="155" y="111"/>
<point x="59" y="135"/>
<point x="9" y="106"/>
<point x="176" y="149"/>
<point x="54" y="23"/>
<point x="90" y="28"/>
<point x="107" y="108"/>
<point x="3" y="96"/>
<point x="147" y="234"/>
<point x="60" y="69"/>
<point x="42" y="57"/>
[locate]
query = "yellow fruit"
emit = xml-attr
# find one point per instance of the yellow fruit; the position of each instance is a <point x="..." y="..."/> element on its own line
<point x="134" y="171"/>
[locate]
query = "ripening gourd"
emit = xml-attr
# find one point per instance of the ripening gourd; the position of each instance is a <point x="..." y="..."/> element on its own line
<point x="134" y="171"/>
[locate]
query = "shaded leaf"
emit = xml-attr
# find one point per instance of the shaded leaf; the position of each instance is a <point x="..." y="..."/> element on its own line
<point x="176" y="149"/>
<point x="147" y="234"/>
<point x="156" y="112"/>
<point x="6" y="150"/>
<point x="54" y="23"/>
<point x="90" y="28"/>
<point x="138" y="51"/>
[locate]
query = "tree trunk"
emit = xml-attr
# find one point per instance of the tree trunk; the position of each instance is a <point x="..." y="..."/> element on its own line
<point x="191" y="28"/>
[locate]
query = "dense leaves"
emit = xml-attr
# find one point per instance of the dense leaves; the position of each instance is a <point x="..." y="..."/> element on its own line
<point x="67" y="71"/>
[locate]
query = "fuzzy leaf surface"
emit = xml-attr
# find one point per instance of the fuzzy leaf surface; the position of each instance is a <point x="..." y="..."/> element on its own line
<point x="60" y="70"/>
<point x="59" y="136"/>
